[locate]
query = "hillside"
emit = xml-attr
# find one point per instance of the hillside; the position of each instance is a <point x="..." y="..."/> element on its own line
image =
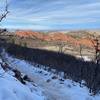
<point x="47" y="70"/>
<point x="70" y="42"/>
<point x="74" y="37"/>
<point x="44" y="85"/>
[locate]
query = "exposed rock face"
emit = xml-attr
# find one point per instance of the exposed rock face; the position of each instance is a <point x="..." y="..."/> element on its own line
<point x="29" y="34"/>
<point x="56" y="36"/>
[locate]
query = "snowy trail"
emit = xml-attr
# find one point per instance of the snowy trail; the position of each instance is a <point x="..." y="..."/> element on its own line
<point x="54" y="89"/>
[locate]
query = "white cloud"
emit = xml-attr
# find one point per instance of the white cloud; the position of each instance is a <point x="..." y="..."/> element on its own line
<point x="47" y="13"/>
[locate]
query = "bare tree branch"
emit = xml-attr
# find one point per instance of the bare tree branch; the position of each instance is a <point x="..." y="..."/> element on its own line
<point x="3" y="15"/>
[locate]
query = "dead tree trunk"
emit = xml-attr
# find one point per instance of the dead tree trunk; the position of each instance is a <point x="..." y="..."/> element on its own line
<point x="80" y="51"/>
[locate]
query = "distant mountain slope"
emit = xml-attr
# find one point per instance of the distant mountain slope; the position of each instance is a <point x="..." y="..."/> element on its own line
<point x="31" y="34"/>
<point x="74" y="37"/>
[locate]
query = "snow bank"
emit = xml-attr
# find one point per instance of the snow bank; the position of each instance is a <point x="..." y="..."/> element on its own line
<point x="12" y="89"/>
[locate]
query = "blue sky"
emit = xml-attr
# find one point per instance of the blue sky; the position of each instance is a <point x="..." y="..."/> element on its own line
<point x="52" y="14"/>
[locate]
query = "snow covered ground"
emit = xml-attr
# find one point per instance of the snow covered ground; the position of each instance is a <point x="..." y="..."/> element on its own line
<point x="52" y="88"/>
<point x="85" y="58"/>
<point x="12" y="89"/>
